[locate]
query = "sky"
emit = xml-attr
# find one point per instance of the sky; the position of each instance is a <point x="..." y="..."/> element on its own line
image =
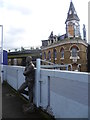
<point x="27" y="22"/>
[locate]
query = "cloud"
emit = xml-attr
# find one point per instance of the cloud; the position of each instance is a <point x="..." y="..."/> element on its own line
<point x="1" y="3"/>
<point x="22" y="10"/>
<point x="27" y="22"/>
<point x="18" y="5"/>
<point x="12" y="41"/>
<point x="15" y="31"/>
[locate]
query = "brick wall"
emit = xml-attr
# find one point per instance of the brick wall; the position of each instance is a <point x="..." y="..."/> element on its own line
<point x="82" y="54"/>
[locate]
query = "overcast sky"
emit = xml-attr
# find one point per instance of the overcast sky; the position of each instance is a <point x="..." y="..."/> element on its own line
<point x="27" y="22"/>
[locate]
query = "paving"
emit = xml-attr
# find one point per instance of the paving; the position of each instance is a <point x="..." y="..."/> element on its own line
<point x="12" y="105"/>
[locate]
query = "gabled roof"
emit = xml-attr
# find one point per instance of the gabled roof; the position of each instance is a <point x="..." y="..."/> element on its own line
<point x="72" y="15"/>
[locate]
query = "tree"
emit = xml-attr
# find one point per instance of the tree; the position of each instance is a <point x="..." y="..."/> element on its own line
<point x="16" y="50"/>
<point x="22" y="49"/>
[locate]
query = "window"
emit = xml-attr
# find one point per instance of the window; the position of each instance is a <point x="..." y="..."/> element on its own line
<point x="49" y="55"/>
<point x="74" y="52"/>
<point x="62" y="53"/>
<point x="51" y="41"/>
<point x="55" y="54"/>
<point x="76" y="31"/>
<point x="44" y="55"/>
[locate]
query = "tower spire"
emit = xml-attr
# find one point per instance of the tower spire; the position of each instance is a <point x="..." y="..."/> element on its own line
<point x="72" y="15"/>
<point x="72" y="22"/>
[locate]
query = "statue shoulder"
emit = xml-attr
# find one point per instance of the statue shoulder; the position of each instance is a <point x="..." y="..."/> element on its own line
<point x="32" y="65"/>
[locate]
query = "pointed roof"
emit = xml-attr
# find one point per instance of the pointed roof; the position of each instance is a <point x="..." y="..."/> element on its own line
<point x="72" y="15"/>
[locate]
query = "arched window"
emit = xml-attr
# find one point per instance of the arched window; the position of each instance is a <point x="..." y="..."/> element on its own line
<point x="44" y="55"/>
<point x="55" y="54"/>
<point x="74" y="51"/>
<point x="49" y="55"/>
<point x="62" y="53"/>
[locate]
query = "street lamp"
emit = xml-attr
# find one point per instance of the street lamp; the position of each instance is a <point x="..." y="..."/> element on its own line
<point x="1" y="50"/>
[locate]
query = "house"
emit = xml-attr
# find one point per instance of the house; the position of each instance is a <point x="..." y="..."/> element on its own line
<point x="68" y="48"/>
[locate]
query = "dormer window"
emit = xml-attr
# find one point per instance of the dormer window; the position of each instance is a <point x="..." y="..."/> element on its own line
<point x="51" y="41"/>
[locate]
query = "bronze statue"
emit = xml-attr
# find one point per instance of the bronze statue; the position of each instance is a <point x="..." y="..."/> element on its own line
<point x="29" y="81"/>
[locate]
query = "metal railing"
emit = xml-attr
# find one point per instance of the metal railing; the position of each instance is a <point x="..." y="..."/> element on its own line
<point x="55" y="66"/>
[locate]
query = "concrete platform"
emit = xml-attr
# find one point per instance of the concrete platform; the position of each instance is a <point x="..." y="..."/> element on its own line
<point x="12" y="105"/>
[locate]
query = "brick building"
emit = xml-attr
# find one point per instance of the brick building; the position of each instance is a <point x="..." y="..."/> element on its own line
<point x="68" y="48"/>
<point x="88" y="57"/>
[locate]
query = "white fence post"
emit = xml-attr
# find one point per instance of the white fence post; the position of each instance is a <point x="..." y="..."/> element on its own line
<point x="1" y="53"/>
<point x="17" y="79"/>
<point x="37" y="82"/>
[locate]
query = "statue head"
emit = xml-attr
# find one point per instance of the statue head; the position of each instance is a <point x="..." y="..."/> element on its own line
<point x="28" y="59"/>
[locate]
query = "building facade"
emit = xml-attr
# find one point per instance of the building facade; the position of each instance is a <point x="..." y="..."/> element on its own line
<point x="18" y="58"/>
<point x="69" y="48"/>
<point x="88" y="57"/>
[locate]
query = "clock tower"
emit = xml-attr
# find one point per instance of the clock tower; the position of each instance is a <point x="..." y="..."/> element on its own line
<point x="72" y="23"/>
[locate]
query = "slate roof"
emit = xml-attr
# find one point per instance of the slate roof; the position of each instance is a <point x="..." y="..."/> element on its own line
<point x="73" y="15"/>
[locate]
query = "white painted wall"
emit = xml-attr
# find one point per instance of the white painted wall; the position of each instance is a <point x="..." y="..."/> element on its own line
<point x="0" y="70"/>
<point x="63" y="94"/>
<point x="68" y="93"/>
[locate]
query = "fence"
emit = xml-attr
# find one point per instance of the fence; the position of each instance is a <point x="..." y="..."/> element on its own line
<point x="1" y="51"/>
<point x="1" y="63"/>
<point x="49" y="65"/>
<point x="63" y="94"/>
<point x="0" y="60"/>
